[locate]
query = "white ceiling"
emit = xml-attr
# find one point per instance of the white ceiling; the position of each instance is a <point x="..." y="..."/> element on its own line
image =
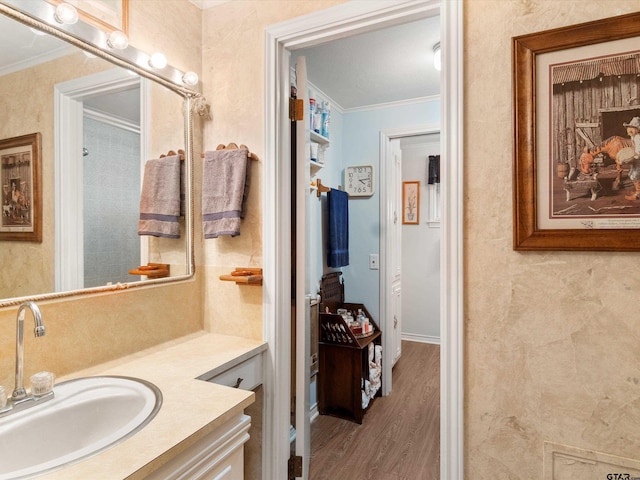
<point x="388" y="65"/>
<point x="22" y="48"/>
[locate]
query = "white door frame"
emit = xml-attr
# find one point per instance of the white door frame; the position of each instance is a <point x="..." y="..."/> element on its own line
<point x="339" y="22"/>
<point x="68" y="161"/>
<point x="387" y="209"/>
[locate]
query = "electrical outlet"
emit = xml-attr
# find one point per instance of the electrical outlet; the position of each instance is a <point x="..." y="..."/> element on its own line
<point x="373" y="261"/>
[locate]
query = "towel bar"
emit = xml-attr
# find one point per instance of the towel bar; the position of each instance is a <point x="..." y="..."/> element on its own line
<point x="233" y="146"/>
<point x="323" y="188"/>
<point x="171" y="153"/>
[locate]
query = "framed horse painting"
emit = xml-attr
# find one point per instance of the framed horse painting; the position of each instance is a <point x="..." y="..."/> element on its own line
<point x="21" y="193"/>
<point x="576" y="182"/>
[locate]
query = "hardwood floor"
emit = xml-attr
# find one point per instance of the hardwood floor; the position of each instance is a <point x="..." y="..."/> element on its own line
<point x="399" y="438"/>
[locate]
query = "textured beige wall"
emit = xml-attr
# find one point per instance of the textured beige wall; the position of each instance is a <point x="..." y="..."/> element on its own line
<point x="551" y="339"/>
<point x="233" y="78"/>
<point x="87" y="330"/>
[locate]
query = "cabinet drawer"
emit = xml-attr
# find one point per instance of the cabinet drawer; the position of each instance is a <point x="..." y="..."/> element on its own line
<point x="246" y="375"/>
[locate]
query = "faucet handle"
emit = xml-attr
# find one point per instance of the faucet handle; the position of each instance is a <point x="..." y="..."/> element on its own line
<point x="42" y="383"/>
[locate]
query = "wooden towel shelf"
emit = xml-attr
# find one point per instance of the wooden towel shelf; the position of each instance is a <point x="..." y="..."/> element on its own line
<point x="244" y="276"/>
<point x="152" y="270"/>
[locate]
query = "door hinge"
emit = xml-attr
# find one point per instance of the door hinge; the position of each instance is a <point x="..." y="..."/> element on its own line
<point x="295" y="467"/>
<point x="296" y="109"/>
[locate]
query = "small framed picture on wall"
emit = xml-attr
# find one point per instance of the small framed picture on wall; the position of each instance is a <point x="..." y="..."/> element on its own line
<point x="411" y="203"/>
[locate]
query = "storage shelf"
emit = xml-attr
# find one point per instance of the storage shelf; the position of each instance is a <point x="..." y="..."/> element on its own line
<point x="315" y="167"/>
<point x="316" y="137"/>
<point x="344" y="365"/>
<point x="244" y="276"/>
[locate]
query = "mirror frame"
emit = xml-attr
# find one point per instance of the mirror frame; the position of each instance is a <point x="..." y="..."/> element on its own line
<point x="90" y="38"/>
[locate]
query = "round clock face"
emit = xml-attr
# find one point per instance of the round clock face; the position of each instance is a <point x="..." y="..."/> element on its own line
<point x="359" y="180"/>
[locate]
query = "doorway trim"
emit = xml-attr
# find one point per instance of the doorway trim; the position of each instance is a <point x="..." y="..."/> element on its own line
<point x="325" y="25"/>
<point x="386" y="220"/>
<point x="68" y="165"/>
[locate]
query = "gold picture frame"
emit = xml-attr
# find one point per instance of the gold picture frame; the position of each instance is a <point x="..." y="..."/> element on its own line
<point x="21" y="179"/>
<point x="567" y="87"/>
<point x="411" y="203"/>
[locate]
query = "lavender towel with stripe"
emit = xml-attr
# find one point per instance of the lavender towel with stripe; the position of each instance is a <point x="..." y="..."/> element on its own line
<point x="223" y="186"/>
<point x="160" y="198"/>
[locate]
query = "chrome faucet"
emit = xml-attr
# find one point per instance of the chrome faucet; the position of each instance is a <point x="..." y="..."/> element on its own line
<point x="41" y="383"/>
<point x="19" y="392"/>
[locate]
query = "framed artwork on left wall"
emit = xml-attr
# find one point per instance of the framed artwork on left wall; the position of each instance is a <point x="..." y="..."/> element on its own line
<point x="20" y="176"/>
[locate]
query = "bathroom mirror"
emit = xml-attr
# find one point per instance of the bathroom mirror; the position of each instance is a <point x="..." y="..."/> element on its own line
<point x="91" y="107"/>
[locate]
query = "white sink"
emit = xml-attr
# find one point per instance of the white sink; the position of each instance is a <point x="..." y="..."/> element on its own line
<point x="86" y="416"/>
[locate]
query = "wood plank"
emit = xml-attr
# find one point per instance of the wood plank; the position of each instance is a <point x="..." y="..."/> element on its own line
<point x="400" y="436"/>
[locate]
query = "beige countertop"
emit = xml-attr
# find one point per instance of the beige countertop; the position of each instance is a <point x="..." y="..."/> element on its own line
<point x="190" y="409"/>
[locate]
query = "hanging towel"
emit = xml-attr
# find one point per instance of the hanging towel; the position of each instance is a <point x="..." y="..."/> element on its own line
<point x="434" y="169"/>
<point x="224" y="174"/>
<point x="338" y="228"/>
<point x="160" y="198"/>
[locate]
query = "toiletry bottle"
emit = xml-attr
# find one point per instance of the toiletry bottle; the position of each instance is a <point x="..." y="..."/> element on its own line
<point x="360" y="319"/>
<point x="317" y="120"/>
<point x="325" y="120"/>
<point x="312" y="111"/>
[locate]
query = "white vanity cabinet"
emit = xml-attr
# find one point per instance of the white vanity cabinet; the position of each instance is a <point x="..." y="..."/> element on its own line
<point x="217" y="456"/>
<point x="245" y="373"/>
<point x="229" y="452"/>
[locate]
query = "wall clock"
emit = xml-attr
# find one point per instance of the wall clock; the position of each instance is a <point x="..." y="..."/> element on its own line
<point x="359" y="180"/>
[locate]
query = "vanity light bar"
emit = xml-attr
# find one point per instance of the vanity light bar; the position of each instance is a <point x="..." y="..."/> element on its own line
<point x="98" y="42"/>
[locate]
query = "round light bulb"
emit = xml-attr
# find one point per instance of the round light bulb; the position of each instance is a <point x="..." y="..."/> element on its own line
<point x="190" y="78"/>
<point x="437" y="57"/>
<point x="66" y="14"/>
<point x="118" y="40"/>
<point x="158" y="60"/>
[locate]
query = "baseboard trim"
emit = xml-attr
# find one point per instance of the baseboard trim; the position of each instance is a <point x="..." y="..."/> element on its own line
<point x="413" y="337"/>
<point x="313" y="414"/>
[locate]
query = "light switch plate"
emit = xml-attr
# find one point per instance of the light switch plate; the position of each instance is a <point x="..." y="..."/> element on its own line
<point x="373" y="261"/>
